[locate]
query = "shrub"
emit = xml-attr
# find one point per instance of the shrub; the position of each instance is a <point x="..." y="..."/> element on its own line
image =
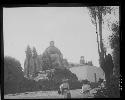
<point x="13" y="75"/>
<point x="94" y="85"/>
<point x="111" y="91"/>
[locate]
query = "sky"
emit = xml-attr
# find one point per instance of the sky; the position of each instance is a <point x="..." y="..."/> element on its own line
<point x="69" y="27"/>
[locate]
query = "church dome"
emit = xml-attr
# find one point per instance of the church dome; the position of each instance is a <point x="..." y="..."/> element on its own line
<point x="52" y="49"/>
<point x="54" y="54"/>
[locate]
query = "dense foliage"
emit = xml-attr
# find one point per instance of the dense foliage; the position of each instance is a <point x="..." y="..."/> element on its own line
<point x="115" y="45"/>
<point x="46" y="62"/>
<point x="15" y="82"/>
<point x="112" y="81"/>
<point x="13" y="74"/>
<point x="97" y="14"/>
<point x="110" y="91"/>
<point x="32" y="63"/>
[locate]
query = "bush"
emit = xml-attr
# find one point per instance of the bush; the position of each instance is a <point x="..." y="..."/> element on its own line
<point x="14" y="80"/>
<point x="75" y="85"/>
<point x="13" y="75"/>
<point x="60" y="74"/>
<point x="94" y="85"/>
<point x="111" y="91"/>
<point x="85" y="81"/>
<point x="12" y="69"/>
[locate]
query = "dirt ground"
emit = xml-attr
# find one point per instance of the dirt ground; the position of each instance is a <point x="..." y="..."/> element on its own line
<point x="47" y="94"/>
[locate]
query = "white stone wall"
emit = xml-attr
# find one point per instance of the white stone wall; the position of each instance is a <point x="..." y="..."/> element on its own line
<point x="81" y="72"/>
<point x="87" y="72"/>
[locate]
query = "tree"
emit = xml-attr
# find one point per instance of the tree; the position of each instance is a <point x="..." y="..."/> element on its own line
<point x="97" y="13"/>
<point x="27" y="61"/>
<point x="13" y="66"/>
<point x="35" y="61"/>
<point x="34" y="52"/>
<point x="40" y="62"/>
<point x="13" y="74"/>
<point x="65" y="62"/>
<point x="112" y="87"/>
<point x="28" y="52"/>
<point x="46" y="62"/>
<point x="113" y="27"/>
<point x="60" y="74"/>
<point x="114" y="42"/>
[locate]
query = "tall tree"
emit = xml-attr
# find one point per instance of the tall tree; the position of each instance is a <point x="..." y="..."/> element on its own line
<point x="97" y="13"/>
<point x="34" y="52"/>
<point x="40" y="62"/>
<point x="28" y="57"/>
<point x="114" y="42"/>
<point x="46" y="62"/>
<point x="113" y="27"/>
<point x="35" y="61"/>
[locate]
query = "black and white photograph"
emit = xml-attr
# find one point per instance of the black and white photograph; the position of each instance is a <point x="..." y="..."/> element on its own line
<point x="61" y="52"/>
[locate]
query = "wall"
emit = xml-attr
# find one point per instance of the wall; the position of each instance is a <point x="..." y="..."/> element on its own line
<point x="87" y="72"/>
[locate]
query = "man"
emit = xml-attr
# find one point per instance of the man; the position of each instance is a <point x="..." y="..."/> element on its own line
<point x="64" y="88"/>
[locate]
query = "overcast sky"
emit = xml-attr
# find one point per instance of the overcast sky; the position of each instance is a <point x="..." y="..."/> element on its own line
<point x="69" y="27"/>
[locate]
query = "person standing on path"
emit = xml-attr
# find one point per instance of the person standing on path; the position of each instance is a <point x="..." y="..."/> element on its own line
<point x="64" y="88"/>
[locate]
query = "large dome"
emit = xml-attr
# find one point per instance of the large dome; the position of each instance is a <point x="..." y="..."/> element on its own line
<point x="52" y="49"/>
<point x="55" y="54"/>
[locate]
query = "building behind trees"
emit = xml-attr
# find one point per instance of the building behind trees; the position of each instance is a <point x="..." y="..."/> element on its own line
<point x="82" y="60"/>
<point x="89" y="63"/>
<point x="51" y="58"/>
<point x="54" y="56"/>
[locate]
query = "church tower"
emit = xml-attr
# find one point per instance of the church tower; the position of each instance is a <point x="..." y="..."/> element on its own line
<point x="82" y="60"/>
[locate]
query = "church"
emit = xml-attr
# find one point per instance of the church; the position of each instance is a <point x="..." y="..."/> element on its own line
<point x="50" y="59"/>
<point x="56" y="56"/>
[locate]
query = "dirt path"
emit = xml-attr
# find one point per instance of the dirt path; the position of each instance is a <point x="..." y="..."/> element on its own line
<point x="45" y="94"/>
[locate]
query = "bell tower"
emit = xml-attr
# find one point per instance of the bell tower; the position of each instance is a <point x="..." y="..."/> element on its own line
<point x="82" y="61"/>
